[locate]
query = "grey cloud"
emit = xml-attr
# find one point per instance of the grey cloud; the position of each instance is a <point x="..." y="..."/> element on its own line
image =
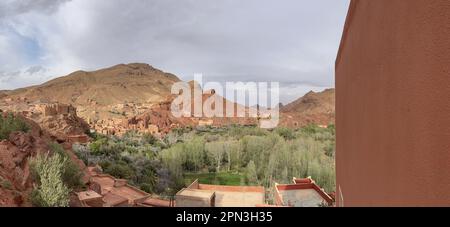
<point x="36" y="69"/>
<point x="17" y="7"/>
<point x="8" y="76"/>
<point x="32" y="75"/>
<point x="219" y="37"/>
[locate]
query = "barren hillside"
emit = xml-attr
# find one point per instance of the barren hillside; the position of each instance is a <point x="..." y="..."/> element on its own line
<point x="99" y="91"/>
<point x="318" y="108"/>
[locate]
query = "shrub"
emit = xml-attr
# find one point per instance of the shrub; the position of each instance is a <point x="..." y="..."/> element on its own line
<point x="310" y="129"/>
<point x="10" y="124"/>
<point x="82" y="152"/>
<point x="146" y="187"/>
<point x="71" y="173"/>
<point x="6" y="184"/>
<point x="148" y="138"/>
<point x="96" y="146"/>
<point x="36" y="199"/>
<point x="48" y="171"/>
<point x="119" y="170"/>
<point x="286" y="133"/>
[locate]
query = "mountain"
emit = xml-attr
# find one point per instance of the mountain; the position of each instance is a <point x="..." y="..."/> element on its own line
<point x="97" y="92"/>
<point x="312" y="103"/>
<point x="136" y="97"/>
<point x="3" y="93"/>
<point x="317" y="108"/>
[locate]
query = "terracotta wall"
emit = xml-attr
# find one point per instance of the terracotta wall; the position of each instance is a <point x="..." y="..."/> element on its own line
<point x="393" y="104"/>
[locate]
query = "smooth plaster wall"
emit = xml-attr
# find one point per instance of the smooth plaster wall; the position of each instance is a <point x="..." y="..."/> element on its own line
<point x="393" y="104"/>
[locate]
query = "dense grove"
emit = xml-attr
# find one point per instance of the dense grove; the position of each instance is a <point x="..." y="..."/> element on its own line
<point x="234" y="155"/>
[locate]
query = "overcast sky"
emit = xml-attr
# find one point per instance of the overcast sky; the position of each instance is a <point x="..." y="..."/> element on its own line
<point x="294" y="42"/>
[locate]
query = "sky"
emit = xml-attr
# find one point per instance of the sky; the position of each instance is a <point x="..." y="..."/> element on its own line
<point x="293" y="42"/>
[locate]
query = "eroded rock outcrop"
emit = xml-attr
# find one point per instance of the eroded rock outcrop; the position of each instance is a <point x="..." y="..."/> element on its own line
<point x="15" y="179"/>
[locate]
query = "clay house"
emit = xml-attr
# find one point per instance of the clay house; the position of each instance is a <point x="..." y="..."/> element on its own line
<point x="78" y="139"/>
<point x="203" y="195"/>
<point x="111" y="191"/>
<point x="205" y="122"/>
<point x="302" y="193"/>
<point x="107" y="191"/>
<point x="54" y="109"/>
<point x="116" y="192"/>
<point x="155" y="202"/>
<point x="90" y="199"/>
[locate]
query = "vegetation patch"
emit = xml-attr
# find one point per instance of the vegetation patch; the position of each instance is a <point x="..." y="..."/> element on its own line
<point x="56" y="176"/>
<point x="11" y="123"/>
<point x="235" y="155"/>
<point x="229" y="179"/>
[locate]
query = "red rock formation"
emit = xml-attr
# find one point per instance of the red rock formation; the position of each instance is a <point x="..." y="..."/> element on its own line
<point x="14" y="169"/>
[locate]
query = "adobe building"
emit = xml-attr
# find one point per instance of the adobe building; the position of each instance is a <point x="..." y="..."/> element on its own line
<point x="302" y="193"/>
<point x="107" y="191"/>
<point x="393" y="104"/>
<point x="204" y="195"/>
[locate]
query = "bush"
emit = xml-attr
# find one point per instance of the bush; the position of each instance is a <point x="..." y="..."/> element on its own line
<point x="148" y="138"/>
<point x="147" y="187"/>
<point x="48" y="171"/>
<point x="82" y="152"/>
<point x="310" y="129"/>
<point x="36" y="199"/>
<point x="286" y="133"/>
<point x="71" y="174"/>
<point x="119" y="170"/>
<point x="96" y="147"/>
<point x="6" y="184"/>
<point x="10" y="124"/>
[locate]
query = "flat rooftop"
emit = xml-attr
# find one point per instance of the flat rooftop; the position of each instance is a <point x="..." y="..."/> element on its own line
<point x="196" y="193"/>
<point x="302" y="195"/>
<point x="128" y="192"/>
<point x="152" y="202"/>
<point x="107" y="184"/>
<point x="88" y="195"/>
<point x="111" y="199"/>
<point x="239" y="199"/>
<point x="236" y="196"/>
<point x="301" y="198"/>
<point x="227" y="196"/>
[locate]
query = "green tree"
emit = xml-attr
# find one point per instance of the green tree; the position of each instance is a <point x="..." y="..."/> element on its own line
<point x="251" y="175"/>
<point x="216" y="152"/>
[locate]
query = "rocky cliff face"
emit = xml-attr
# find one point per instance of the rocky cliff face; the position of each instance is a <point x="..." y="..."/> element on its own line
<point x="15" y="179"/>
